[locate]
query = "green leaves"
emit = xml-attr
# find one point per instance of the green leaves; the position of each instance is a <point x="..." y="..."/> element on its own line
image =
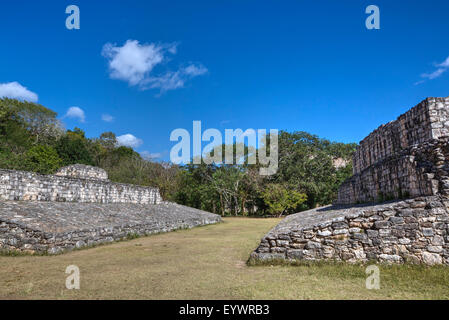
<point x="307" y="175"/>
<point x="306" y="164"/>
<point x="39" y="121"/>
<point x="279" y="199"/>
<point x="42" y="159"/>
<point x="72" y="149"/>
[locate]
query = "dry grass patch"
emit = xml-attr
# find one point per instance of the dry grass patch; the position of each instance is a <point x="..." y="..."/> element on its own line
<point x="206" y="263"/>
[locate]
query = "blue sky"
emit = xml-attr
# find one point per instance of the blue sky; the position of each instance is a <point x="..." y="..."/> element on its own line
<point x="289" y="65"/>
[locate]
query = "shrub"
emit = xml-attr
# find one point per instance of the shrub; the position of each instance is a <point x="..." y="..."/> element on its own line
<point x="279" y="199"/>
<point x="72" y="149"/>
<point x="42" y="159"/>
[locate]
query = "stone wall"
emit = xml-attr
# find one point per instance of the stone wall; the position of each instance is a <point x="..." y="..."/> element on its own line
<point x="82" y="171"/>
<point x="426" y="121"/>
<point x="404" y="158"/>
<point x="420" y="170"/>
<point x="20" y="185"/>
<point x="80" y="207"/>
<point x="414" y="230"/>
<point x="55" y="227"/>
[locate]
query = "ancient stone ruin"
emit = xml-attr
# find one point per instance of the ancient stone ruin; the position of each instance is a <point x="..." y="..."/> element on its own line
<point x="79" y="206"/>
<point x="77" y="183"/>
<point x="395" y="208"/>
<point x="82" y="171"/>
<point x="404" y="158"/>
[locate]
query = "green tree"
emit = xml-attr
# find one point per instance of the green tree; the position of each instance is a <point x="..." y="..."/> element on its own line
<point x="280" y="199"/>
<point x="306" y="165"/>
<point x="108" y="140"/>
<point x="72" y="148"/>
<point x="40" y="121"/>
<point x="14" y="135"/>
<point x="42" y="159"/>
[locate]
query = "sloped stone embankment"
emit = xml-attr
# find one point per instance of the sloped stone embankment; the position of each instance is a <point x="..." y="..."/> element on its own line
<point x="414" y="230"/>
<point x="54" y="227"/>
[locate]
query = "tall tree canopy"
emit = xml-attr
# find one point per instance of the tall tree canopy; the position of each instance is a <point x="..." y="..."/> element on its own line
<point x="31" y="138"/>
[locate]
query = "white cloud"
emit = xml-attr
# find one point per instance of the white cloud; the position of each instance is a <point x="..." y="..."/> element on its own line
<point x="134" y="63"/>
<point x="445" y="64"/>
<point x="15" y="90"/>
<point x="437" y="73"/>
<point x="175" y="79"/>
<point x="441" y="69"/>
<point x="76" y="113"/>
<point x="128" y="140"/>
<point x="150" y="156"/>
<point x="193" y="70"/>
<point x="107" y="117"/>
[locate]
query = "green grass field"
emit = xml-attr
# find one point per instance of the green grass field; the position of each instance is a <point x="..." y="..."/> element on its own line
<point x="206" y="263"/>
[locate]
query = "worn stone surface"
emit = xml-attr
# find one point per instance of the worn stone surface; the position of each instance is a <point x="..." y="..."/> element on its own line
<point x="82" y="171"/>
<point x="404" y="158"/>
<point x="54" y="227"/>
<point x="420" y="170"/>
<point x="426" y="121"/>
<point x="80" y="207"/>
<point x="413" y="230"/>
<point x="21" y="185"/>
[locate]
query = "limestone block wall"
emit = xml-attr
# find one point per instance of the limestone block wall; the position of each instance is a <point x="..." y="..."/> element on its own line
<point x="405" y="158"/>
<point x="55" y="227"/>
<point x="426" y="121"/>
<point x="414" y="230"/>
<point x="82" y="171"/>
<point x="20" y="185"/>
<point x="421" y="170"/>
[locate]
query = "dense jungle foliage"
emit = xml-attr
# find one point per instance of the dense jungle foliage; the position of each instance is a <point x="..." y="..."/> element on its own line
<point x="310" y="168"/>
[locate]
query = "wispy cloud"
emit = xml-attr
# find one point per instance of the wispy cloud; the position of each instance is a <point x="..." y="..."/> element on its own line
<point x="15" y="90"/>
<point x="107" y="117"/>
<point x="76" y="113"/>
<point x="150" y="156"/>
<point x="441" y="68"/>
<point x="134" y="63"/>
<point x="445" y="64"/>
<point x="129" y="140"/>
<point x="174" y="80"/>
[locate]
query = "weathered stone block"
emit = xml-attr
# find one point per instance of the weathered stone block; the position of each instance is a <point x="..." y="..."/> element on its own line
<point x="91" y="188"/>
<point x="431" y="258"/>
<point x="406" y="158"/>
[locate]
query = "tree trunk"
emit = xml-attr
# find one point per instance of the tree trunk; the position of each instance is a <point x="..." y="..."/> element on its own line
<point x="222" y="205"/>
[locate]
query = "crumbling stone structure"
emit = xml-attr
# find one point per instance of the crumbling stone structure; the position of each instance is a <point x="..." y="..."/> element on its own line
<point x="76" y="183"/>
<point x="406" y="162"/>
<point x="404" y="158"/>
<point x="81" y="171"/>
<point x="55" y="227"/>
<point x="80" y="207"/>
